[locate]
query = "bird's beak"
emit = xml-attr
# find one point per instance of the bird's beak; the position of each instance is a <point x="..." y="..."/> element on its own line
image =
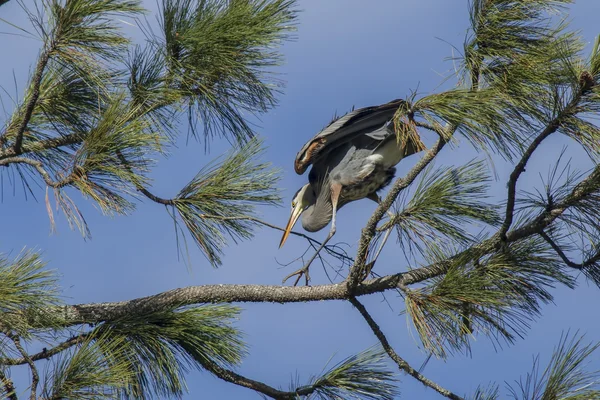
<point x="293" y="218"/>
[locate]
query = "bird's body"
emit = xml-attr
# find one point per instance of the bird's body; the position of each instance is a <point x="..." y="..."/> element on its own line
<point x="352" y="158"/>
<point x="362" y="168"/>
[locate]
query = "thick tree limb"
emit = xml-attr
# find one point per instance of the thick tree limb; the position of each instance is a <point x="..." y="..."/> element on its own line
<point x="402" y="364"/>
<point x="94" y="313"/>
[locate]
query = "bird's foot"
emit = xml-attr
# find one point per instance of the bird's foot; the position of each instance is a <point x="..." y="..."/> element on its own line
<point x="304" y="271"/>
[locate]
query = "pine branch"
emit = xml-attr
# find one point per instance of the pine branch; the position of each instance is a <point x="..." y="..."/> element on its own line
<point x="34" y="94"/>
<point x="46" y="353"/>
<point x="589" y="266"/>
<point x="237" y="379"/>
<point x="586" y="187"/>
<point x="44" y="144"/>
<point x="41" y="171"/>
<point x="565" y="376"/>
<point x="35" y="377"/>
<point x="551" y="127"/>
<point x="402" y="364"/>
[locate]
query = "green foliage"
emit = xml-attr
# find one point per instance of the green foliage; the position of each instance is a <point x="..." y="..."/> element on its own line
<point x="162" y="346"/>
<point x="480" y="116"/>
<point x="577" y="229"/>
<point x="497" y="294"/>
<point x="150" y="88"/>
<point x="25" y="288"/>
<point x="85" y="373"/>
<point x="219" y="54"/>
<point x="512" y="33"/>
<point x="444" y="202"/>
<point x="491" y="392"/>
<point x="221" y="199"/>
<point x="565" y="377"/>
<point x="84" y="33"/>
<point x="363" y="376"/>
<point x="98" y="168"/>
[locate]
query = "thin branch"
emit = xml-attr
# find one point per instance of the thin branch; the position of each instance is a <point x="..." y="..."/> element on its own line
<point x="45" y="144"/>
<point x="232" y="377"/>
<point x="45" y="354"/>
<point x="36" y="81"/>
<point x="587" y="186"/>
<point x="35" y="377"/>
<point x="552" y="127"/>
<point x="369" y="230"/>
<point x="519" y="169"/>
<point x="590" y="261"/>
<point x="40" y="169"/>
<point x="402" y="364"/>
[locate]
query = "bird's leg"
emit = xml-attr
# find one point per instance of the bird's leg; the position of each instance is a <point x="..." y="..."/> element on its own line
<point x="369" y="266"/>
<point x="336" y="189"/>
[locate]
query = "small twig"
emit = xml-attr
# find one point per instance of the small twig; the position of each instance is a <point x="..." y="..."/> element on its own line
<point x="402" y="364"/>
<point x="40" y="169"/>
<point x="579" y="266"/>
<point x="263" y="388"/>
<point x="35" y="377"/>
<point x="46" y="353"/>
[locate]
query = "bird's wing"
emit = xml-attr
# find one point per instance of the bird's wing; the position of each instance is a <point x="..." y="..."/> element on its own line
<point x="367" y="120"/>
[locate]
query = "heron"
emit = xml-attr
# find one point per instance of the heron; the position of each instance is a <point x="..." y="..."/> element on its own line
<point x="352" y="158"/>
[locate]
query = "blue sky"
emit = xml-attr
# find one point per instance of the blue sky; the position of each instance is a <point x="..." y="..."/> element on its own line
<point x="347" y="52"/>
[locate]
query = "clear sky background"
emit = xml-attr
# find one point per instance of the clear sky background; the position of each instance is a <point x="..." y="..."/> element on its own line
<point x="347" y="52"/>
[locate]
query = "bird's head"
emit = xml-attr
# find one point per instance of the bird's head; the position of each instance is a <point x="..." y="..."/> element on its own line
<point x="300" y="202"/>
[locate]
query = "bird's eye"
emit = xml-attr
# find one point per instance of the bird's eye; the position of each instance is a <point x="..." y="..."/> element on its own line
<point x="293" y="204"/>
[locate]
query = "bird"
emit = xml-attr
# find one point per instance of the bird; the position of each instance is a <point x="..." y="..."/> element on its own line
<point x="352" y="158"/>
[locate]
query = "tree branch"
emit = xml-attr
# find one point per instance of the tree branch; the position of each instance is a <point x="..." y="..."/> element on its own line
<point x="586" y="263"/>
<point x="537" y="225"/>
<point x="35" y="377"/>
<point x="552" y="127"/>
<point x="98" y="312"/>
<point x="45" y="354"/>
<point x="40" y="169"/>
<point x="232" y="377"/>
<point x="35" y="94"/>
<point x="402" y="364"/>
<point x="45" y="144"/>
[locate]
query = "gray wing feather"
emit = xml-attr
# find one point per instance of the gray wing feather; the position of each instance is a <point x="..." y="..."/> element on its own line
<point x="370" y="121"/>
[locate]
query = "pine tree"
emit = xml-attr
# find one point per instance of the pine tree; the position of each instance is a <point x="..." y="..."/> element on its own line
<point x="98" y="111"/>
